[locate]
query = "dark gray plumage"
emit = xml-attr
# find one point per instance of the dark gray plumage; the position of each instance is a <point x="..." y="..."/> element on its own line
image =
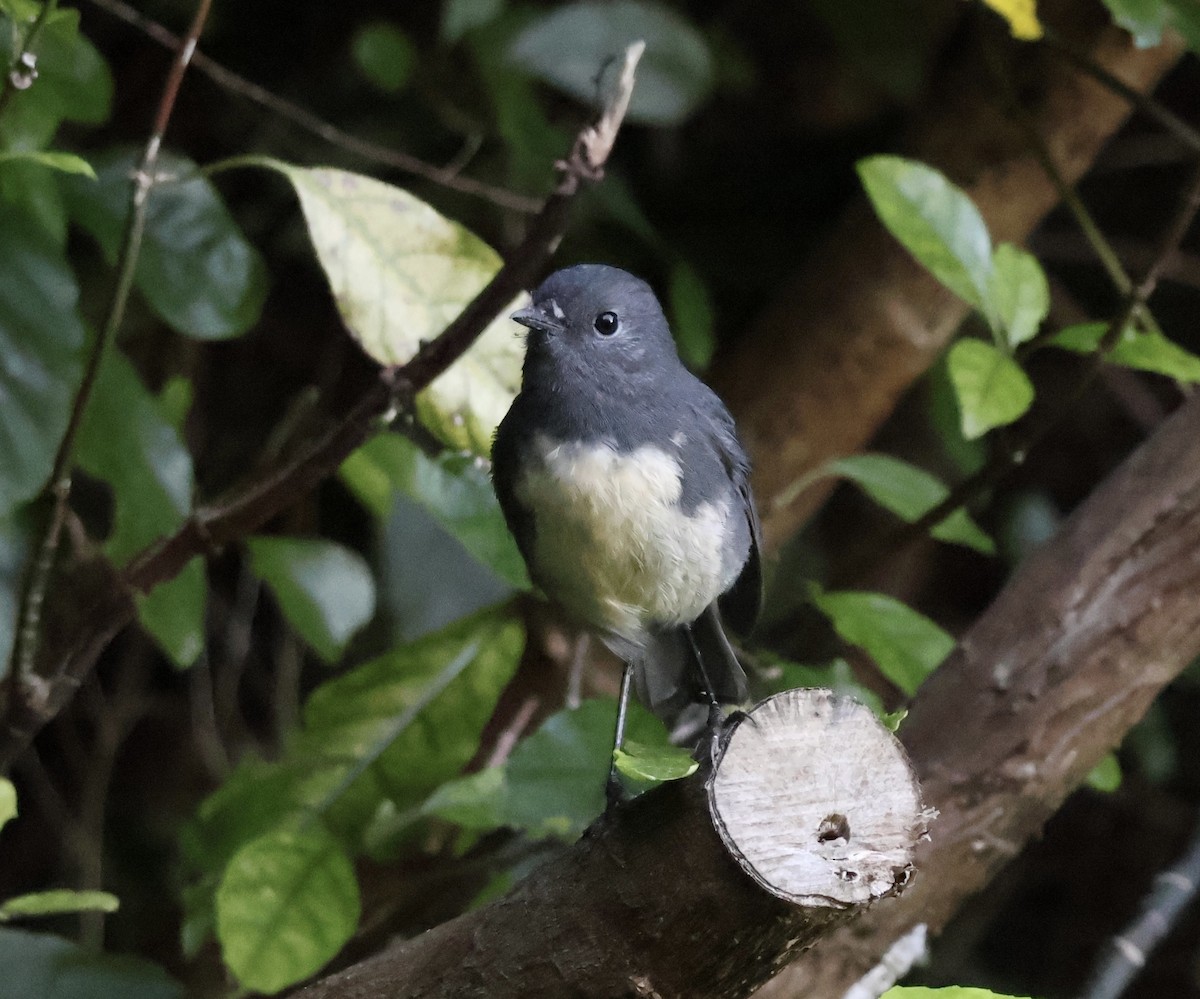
<point x="621" y="476"/>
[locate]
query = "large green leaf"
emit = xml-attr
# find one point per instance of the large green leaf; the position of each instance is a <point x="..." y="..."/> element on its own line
<point x="287" y="903"/>
<point x="31" y="189"/>
<point x="910" y="493"/>
<point x="937" y="223"/>
<point x="905" y="645"/>
<point x="571" y="46"/>
<point x="990" y="386"/>
<point x="324" y="590"/>
<point x="387" y="732"/>
<point x="127" y="441"/>
<point x="40" y="964"/>
<point x="195" y="268"/>
<point x="553" y="783"/>
<point x="400" y="272"/>
<point x="73" y="84"/>
<point x="453" y="488"/>
<point x="1149" y="351"/>
<point x="41" y="345"/>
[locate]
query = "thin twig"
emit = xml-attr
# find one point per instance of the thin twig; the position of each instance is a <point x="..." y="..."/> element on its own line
<point x="1184" y="132"/>
<point x="244" y="510"/>
<point x="26" y="644"/>
<point x="446" y="176"/>
<point x="1174" y="890"/>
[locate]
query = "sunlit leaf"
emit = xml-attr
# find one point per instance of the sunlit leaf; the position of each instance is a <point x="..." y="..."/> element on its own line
<point x="571" y="46"/>
<point x="1150" y="351"/>
<point x="400" y="272"/>
<point x="947" y="992"/>
<point x="287" y="903"/>
<point x="42" y="964"/>
<point x="1021" y="16"/>
<point x="8" y="801"/>
<point x="1106" y="775"/>
<point x="905" y="645"/>
<point x="173" y="612"/>
<point x="41" y="348"/>
<point x="453" y="488"/>
<point x="57" y="902"/>
<point x="654" y="763"/>
<point x="195" y="269"/>
<point x="990" y="386"/>
<point x="326" y="591"/>
<point x="1019" y="292"/>
<point x="934" y="220"/>
<point x="910" y="493"/>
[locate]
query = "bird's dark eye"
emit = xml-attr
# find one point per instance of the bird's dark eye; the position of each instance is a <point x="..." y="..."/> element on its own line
<point x="606" y="323"/>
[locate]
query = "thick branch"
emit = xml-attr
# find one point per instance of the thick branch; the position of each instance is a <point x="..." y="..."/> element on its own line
<point x="1052" y="676"/>
<point x="826" y="363"/>
<point x="814" y="798"/>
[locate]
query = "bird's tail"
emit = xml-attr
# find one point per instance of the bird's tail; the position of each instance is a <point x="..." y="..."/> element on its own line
<point x="669" y="677"/>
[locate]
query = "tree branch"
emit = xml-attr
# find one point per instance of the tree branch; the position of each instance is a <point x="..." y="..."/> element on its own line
<point x="1051" y="677"/>
<point x="101" y="603"/>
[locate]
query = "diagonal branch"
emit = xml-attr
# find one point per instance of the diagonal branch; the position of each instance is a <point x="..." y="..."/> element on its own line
<point x="91" y="619"/>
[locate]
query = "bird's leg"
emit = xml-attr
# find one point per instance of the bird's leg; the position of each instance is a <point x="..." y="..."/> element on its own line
<point x="613" y="790"/>
<point x="715" y="715"/>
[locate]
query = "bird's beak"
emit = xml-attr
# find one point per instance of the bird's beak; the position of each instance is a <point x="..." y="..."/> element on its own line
<point x="536" y="319"/>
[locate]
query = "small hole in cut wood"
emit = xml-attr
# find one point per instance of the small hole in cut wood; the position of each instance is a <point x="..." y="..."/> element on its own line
<point x="833" y="826"/>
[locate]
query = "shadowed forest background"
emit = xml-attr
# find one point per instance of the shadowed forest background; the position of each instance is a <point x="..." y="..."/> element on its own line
<point x="371" y="654"/>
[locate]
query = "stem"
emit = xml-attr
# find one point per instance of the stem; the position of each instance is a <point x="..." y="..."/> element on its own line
<point x="26" y="645"/>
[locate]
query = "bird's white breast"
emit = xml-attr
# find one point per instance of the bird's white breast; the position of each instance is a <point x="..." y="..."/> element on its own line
<point x="612" y="543"/>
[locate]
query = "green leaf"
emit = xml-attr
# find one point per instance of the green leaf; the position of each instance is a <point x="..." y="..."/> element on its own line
<point x="1021" y="16"/>
<point x="64" y="162"/>
<point x="553" y="783"/>
<point x="1144" y="19"/>
<point x="352" y="754"/>
<point x="1106" y="775"/>
<point x="126" y="441"/>
<point x="460" y="16"/>
<point x="571" y="46"/>
<point x="8" y="801"/>
<point x="691" y="317"/>
<point x="905" y="645"/>
<point x="34" y="191"/>
<point x="385" y="55"/>
<point x="654" y="763"/>
<point x="1149" y="351"/>
<point x="287" y="903"/>
<point x="325" y="591"/>
<point x="73" y="84"/>
<point x="41" y="346"/>
<point x="15" y="546"/>
<point x="57" y="902"/>
<point x="195" y="268"/>
<point x="990" y="386"/>
<point x="935" y="221"/>
<point x="910" y="493"/>
<point x="1019" y="293"/>
<point x="400" y="272"/>
<point x="40" y="964"/>
<point x="453" y="488"/>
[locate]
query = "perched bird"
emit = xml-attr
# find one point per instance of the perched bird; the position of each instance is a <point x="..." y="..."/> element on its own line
<point x="622" y="479"/>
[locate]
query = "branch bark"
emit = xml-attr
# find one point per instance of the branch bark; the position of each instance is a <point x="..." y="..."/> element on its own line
<point x="814" y="798"/>
<point x="1048" y="680"/>
<point x="828" y="360"/>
